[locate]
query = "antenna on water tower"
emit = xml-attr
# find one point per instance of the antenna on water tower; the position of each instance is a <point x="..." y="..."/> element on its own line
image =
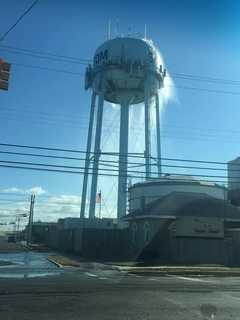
<point x="109" y="29"/>
<point x="145" y="31"/>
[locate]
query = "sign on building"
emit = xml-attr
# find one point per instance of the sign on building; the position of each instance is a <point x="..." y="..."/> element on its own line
<point x="204" y="227"/>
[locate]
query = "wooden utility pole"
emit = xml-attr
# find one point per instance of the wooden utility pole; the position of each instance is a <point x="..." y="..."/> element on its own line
<point x="30" y="221"/>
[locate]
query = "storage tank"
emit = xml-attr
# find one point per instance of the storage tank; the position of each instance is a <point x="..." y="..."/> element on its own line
<point x="125" y="63"/>
<point x="155" y="189"/>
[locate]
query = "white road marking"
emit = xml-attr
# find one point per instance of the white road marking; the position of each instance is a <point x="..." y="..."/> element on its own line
<point x="90" y="274"/>
<point x="193" y="279"/>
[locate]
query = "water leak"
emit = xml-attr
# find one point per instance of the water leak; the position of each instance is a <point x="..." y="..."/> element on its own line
<point x="27" y="265"/>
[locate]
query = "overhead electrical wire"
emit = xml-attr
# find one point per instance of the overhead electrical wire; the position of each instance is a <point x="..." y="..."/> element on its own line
<point x="165" y="134"/>
<point x="100" y="169"/>
<point x="72" y="121"/>
<point x="82" y="74"/>
<point x="80" y="61"/>
<point x="86" y="61"/>
<point x="165" y="178"/>
<point x="114" y="163"/>
<point x="44" y="53"/>
<point x="58" y="57"/>
<point x="116" y="154"/>
<point x="128" y="173"/>
<point x="18" y="20"/>
<point x="205" y="89"/>
<point x="47" y="69"/>
<point x="205" y="78"/>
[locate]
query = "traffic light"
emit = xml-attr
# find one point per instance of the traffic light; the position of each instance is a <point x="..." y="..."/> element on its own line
<point x="4" y="74"/>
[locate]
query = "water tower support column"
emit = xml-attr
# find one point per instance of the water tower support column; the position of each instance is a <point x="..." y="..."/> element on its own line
<point x="147" y="130"/>
<point x="159" y="164"/>
<point x="87" y="159"/>
<point x="123" y="159"/>
<point x="97" y="152"/>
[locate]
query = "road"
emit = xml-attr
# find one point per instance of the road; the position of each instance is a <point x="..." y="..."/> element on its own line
<point x="26" y="265"/>
<point x="96" y="291"/>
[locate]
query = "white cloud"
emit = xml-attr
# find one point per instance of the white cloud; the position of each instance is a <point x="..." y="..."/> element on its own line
<point x="46" y="209"/>
<point x="65" y="199"/>
<point x="13" y="190"/>
<point x="56" y="207"/>
<point x="36" y="190"/>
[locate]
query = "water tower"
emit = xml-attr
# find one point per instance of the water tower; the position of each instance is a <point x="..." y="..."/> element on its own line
<point x="125" y="71"/>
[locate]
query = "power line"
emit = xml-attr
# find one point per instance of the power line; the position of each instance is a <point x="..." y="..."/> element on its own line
<point x="100" y="169"/>
<point x="70" y="123"/>
<point x="42" y="53"/>
<point x="205" y="78"/>
<point x="112" y="163"/>
<point x="28" y="108"/>
<point x="47" y="69"/>
<point x="85" y="61"/>
<point x="116" y="154"/>
<point x="205" y="89"/>
<point x="112" y="175"/>
<point x="18" y="20"/>
<point x="171" y="86"/>
<point x="79" y="62"/>
<point x="128" y="173"/>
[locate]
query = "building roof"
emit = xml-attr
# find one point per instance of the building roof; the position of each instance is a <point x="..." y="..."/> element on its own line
<point x="176" y="180"/>
<point x="188" y="204"/>
<point x="234" y="160"/>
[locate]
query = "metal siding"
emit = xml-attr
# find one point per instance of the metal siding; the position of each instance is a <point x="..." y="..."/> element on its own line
<point x="152" y="193"/>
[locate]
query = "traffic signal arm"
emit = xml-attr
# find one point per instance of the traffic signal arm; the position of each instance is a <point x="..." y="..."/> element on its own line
<point x="4" y="74"/>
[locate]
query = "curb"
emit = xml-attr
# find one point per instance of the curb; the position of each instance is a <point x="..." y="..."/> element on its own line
<point x="55" y="262"/>
<point x="187" y="273"/>
<point x="182" y="271"/>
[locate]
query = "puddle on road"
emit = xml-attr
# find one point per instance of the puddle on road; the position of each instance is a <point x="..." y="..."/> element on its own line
<point x="27" y="265"/>
<point x="28" y="275"/>
<point x="6" y="263"/>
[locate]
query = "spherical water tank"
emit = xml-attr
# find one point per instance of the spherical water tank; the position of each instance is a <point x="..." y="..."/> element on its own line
<point x="125" y="64"/>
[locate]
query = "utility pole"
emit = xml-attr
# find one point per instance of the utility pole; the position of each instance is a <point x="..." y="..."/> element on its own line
<point x="17" y="223"/>
<point x="30" y="221"/>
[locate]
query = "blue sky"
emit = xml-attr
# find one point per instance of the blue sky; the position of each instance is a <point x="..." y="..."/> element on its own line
<point x="51" y="108"/>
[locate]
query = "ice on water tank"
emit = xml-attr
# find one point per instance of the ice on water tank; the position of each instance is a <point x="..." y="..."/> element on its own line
<point x="124" y="64"/>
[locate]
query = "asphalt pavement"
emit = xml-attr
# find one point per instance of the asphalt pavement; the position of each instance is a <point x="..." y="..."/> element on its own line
<point x="98" y="291"/>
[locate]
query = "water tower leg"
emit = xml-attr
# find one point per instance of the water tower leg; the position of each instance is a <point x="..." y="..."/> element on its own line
<point x="97" y="152"/>
<point x="159" y="164"/>
<point x="88" y="155"/>
<point x="147" y="132"/>
<point x="123" y="158"/>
